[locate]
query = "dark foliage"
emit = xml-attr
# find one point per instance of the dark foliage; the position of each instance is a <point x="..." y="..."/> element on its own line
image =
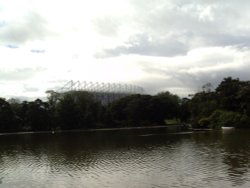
<point x="79" y="110"/>
<point x="227" y="105"/>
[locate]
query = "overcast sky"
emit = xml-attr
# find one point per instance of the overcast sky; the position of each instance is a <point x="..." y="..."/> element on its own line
<point x="174" y="45"/>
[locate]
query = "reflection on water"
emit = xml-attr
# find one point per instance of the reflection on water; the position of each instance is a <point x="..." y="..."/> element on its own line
<point x="125" y="159"/>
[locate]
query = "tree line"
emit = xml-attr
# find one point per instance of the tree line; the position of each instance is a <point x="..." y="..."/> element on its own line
<point x="227" y="105"/>
<point x="79" y="110"/>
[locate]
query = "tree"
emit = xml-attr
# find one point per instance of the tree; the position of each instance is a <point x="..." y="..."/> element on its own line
<point x="68" y="112"/>
<point x="37" y="115"/>
<point x="202" y="105"/>
<point x="16" y="107"/>
<point x="243" y="97"/>
<point x="169" y="104"/>
<point x="53" y="99"/>
<point x="184" y="110"/>
<point x="78" y="110"/>
<point x="227" y="92"/>
<point x="137" y="110"/>
<point x="7" y="118"/>
<point x="228" y="105"/>
<point x="130" y="111"/>
<point x="207" y="88"/>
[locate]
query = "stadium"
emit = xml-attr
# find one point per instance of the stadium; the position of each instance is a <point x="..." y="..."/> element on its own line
<point x="103" y="92"/>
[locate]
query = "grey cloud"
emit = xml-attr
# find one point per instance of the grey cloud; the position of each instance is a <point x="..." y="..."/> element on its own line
<point x="58" y="82"/>
<point x="144" y="45"/>
<point x="37" y="50"/>
<point x="19" y="73"/>
<point x="188" y="83"/>
<point x="31" y="27"/>
<point x="228" y="40"/>
<point x="107" y="26"/>
<point x="56" y="85"/>
<point x="223" y="29"/>
<point x="189" y="77"/>
<point x="226" y="27"/>
<point x="176" y="27"/>
<point x="2" y="23"/>
<point x="28" y="88"/>
<point x="11" y="46"/>
<point x="195" y="81"/>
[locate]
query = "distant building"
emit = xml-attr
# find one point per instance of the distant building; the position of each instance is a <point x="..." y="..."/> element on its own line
<point x="104" y="92"/>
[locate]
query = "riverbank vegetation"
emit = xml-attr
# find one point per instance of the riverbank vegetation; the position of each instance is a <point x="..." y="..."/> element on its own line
<point x="227" y="105"/>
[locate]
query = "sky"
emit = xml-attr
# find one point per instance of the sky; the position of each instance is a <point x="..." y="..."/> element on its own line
<point x="160" y="45"/>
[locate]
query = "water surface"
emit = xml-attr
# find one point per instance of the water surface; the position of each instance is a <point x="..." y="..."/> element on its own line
<point x="126" y="159"/>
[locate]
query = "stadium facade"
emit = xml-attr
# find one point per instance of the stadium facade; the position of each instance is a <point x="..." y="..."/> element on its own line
<point x="103" y="92"/>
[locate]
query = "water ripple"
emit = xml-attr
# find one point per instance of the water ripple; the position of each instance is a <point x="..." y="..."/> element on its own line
<point x="188" y="160"/>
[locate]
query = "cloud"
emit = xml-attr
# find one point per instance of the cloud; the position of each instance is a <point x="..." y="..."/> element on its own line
<point x="186" y="74"/>
<point x="37" y="51"/>
<point x="30" y="27"/>
<point x="172" y="28"/>
<point x="145" y="45"/>
<point x="27" y="88"/>
<point x="181" y="45"/>
<point x="107" y="26"/>
<point x="19" y="74"/>
<point x="12" y="46"/>
<point x="175" y="45"/>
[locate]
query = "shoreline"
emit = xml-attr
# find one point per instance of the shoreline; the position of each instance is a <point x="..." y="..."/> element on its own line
<point x="88" y="130"/>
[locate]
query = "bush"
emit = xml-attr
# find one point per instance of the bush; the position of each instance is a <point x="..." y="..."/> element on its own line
<point x="204" y="122"/>
<point x="220" y="118"/>
<point x="229" y="119"/>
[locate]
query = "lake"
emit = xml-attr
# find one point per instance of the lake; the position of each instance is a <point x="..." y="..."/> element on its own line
<point x="124" y="159"/>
